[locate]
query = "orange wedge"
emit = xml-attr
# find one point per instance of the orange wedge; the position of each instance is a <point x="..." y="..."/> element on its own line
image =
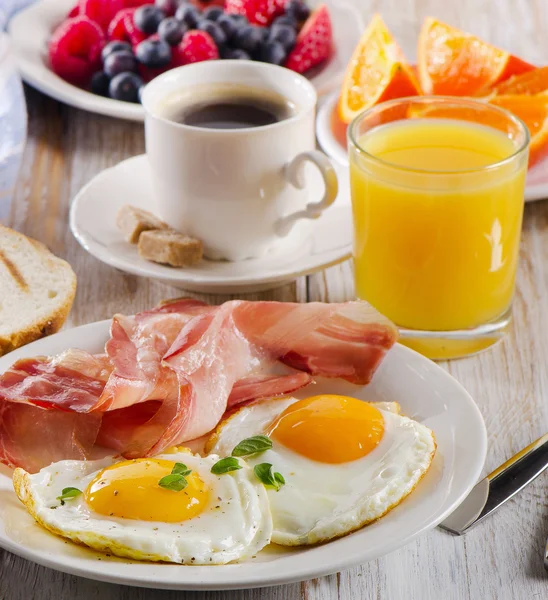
<point x="530" y="83"/>
<point x="454" y="63"/>
<point x="533" y="111"/>
<point x="376" y="72"/>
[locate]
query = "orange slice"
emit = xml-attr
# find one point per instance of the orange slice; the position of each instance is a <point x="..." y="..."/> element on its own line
<point x="454" y="63"/>
<point x="533" y="111"/>
<point x="530" y="83"/>
<point x="376" y="72"/>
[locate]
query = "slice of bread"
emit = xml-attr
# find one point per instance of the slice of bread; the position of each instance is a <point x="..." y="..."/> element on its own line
<point x="36" y="290"/>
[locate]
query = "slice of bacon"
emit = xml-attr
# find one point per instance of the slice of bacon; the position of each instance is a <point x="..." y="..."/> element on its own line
<point x="135" y="349"/>
<point x="256" y="387"/>
<point x="33" y="438"/>
<point x="74" y="380"/>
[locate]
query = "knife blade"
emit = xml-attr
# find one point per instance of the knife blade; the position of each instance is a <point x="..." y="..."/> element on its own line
<point x="498" y="487"/>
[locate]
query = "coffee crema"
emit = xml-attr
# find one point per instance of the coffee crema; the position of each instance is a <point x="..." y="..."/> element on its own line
<point x="217" y="106"/>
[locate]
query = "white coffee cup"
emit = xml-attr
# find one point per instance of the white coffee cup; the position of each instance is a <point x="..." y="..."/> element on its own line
<point x="241" y="191"/>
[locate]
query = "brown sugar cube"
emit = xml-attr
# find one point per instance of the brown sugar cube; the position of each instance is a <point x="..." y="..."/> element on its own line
<point x="170" y="247"/>
<point x="132" y="221"/>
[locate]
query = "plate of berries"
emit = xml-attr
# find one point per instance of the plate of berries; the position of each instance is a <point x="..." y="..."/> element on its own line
<point x="97" y="55"/>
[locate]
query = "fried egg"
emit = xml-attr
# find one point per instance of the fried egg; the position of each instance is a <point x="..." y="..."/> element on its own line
<point x="345" y="462"/>
<point x="123" y="510"/>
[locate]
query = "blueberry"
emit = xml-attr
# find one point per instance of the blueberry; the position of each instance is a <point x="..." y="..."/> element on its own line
<point x="214" y="30"/>
<point x="236" y="54"/>
<point x="147" y="18"/>
<point x="285" y="20"/>
<point x="171" y="31"/>
<point x="213" y="13"/>
<point x="125" y="86"/>
<point x="283" y="34"/>
<point x="153" y="53"/>
<point x="188" y="14"/>
<point x="297" y="9"/>
<point x="228" y="25"/>
<point x="272" y="52"/>
<point x="249" y="38"/>
<point x="99" y="83"/>
<point x="120" y="62"/>
<point x="239" y="19"/>
<point x="168" y="7"/>
<point x="115" y="46"/>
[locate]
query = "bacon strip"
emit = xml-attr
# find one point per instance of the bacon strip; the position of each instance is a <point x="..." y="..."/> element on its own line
<point x="169" y="375"/>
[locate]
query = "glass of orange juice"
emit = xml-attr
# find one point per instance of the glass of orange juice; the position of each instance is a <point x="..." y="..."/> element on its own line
<point x="437" y="197"/>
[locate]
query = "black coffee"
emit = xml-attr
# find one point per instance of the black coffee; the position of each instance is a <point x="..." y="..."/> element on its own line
<point x="228" y="107"/>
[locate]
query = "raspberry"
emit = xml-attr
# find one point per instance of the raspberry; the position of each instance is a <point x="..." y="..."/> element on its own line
<point x="75" y="50"/>
<point x="100" y="11"/>
<point x="258" y="12"/>
<point x="74" y="11"/>
<point x="195" y="47"/>
<point x="122" y="28"/>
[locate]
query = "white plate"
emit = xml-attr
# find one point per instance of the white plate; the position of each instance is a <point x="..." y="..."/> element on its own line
<point x="537" y="178"/>
<point x="425" y="391"/>
<point x="92" y="221"/>
<point x="31" y="29"/>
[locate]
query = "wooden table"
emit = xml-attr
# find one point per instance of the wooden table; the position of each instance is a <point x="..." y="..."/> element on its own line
<point x="501" y="558"/>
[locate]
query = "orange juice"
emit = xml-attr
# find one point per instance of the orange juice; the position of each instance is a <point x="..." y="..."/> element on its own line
<point x="436" y="228"/>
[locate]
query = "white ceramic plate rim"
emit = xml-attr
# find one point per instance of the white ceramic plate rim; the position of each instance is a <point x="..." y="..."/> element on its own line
<point x="31" y="28"/>
<point x="302" y="266"/>
<point x="334" y="150"/>
<point x="318" y="561"/>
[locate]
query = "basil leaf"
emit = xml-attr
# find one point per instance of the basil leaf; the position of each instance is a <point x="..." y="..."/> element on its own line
<point x="264" y="474"/>
<point x="68" y="493"/>
<point x="225" y="465"/>
<point x="181" y="469"/>
<point x="252" y="445"/>
<point x="279" y="478"/>
<point x="174" y="482"/>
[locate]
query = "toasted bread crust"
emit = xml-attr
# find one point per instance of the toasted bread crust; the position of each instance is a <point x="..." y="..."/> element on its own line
<point x="51" y="323"/>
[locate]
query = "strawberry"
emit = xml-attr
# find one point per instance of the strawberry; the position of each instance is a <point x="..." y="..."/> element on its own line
<point x="195" y="47"/>
<point x="258" y="12"/>
<point x="75" y="50"/>
<point x="314" y="43"/>
<point x="100" y="11"/>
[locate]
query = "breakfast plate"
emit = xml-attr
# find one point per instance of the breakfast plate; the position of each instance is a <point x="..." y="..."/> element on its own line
<point x="31" y="29"/>
<point x="93" y="215"/>
<point x="331" y="134"/>
<point x="426" y="393"/>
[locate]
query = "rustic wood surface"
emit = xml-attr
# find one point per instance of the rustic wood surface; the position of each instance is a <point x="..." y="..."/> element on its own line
<point x="501" y="558"/>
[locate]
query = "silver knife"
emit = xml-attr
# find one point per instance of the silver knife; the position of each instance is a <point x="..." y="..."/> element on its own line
<point x="498" y="487"/>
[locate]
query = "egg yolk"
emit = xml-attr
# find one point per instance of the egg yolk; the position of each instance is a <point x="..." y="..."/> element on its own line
<point x="329" y="429"/>
<point x="130" y="490"/>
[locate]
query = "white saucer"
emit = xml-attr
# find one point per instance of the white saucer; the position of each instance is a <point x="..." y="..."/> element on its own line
<point x="31" y="29"/>
<point x="537" y="178"/>
<point x="92" y="221"/>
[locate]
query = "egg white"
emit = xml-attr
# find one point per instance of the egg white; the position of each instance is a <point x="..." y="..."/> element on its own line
<point x="323" y="501"/>
<point x="235" y="524"/>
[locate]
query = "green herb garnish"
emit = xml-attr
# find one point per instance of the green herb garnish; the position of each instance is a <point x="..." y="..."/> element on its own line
<point x="264" y="474"/>
<point x="181" y="469"/>
<point x="225" y="465"/>
<point x="173" y="482"/>
<point x="176" y="480"/>
<point x="252" y="445"/>
<point x="68" y="493"/>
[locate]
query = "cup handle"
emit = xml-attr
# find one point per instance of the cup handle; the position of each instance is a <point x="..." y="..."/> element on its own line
<point x="295" y="176"/>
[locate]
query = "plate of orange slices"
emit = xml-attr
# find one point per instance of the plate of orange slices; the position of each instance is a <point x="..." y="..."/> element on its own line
<point x="450" y="62"/>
